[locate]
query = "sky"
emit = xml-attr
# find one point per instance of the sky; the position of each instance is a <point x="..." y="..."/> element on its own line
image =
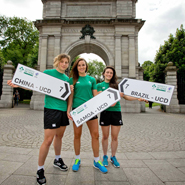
<point x="162" y="17"/>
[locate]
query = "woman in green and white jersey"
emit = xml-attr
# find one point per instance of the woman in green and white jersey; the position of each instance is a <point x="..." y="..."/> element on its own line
<point x="84" y="89"/>
<point x="111" y="117"/>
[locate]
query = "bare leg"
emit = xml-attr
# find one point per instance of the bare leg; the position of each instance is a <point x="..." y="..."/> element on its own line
<point x="77" y="138"/>
<point x="48" y="138"/>
<point x="58" y="139"/>
<point x="114" y="135"/>
<point x="93" y="128"/>
<point x="105" y="133"/>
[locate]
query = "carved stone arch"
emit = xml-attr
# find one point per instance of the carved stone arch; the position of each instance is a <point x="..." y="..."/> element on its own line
<point x="93" y="46"/>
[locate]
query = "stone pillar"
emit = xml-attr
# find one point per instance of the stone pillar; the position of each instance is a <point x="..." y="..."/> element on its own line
<point x="118" y="55"/>
<point x="37" y="99"/>
<point x="132" y="57"/>
<point x="57" y="45"/>
<point x="171" y="79"/>
<point x="7" y="91"/>
<point x="43" y="53"/>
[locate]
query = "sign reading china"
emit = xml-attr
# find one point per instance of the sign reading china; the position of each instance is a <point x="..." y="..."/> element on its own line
<point x="95" y="105"/>
<point x="151" y="91"/>
<point x="37" y="81"/>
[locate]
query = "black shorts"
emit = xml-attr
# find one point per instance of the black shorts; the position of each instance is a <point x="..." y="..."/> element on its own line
<point x="110" y="118"/>
<point x="94" y="117"/>
<point x="55" y="118"/>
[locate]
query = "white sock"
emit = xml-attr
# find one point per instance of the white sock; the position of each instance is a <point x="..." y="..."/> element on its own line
<point x="40" y="167"/>
<point x="96" y="159"/>
<point x="78" y="157"/>
<point x="57" y="157"/>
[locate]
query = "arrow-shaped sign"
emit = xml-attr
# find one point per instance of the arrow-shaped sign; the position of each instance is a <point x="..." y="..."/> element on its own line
<point x="67" y="90"/>
<point x="95" y="105"/>
<point x="114" y="92"/>
<point x="151" y="91"/>
<point x="122" y="84"/>
<point x="37" y="81"/>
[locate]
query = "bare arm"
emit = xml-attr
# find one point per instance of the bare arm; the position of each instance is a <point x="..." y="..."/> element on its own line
<point x="130" y="98"/>
<point x="95" y="92"/>
<point x="9" y="82"/>
<point x="69" y="105"/>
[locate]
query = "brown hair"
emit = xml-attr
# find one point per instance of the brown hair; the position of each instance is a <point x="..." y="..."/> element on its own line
<point x="113" y="82"/>
<point x="58" y="58"/>
<point x="74" y="70"/>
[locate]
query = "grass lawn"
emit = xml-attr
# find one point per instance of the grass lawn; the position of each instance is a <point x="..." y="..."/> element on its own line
<point x="25" y="101"/>
<point x="153" y="104"/>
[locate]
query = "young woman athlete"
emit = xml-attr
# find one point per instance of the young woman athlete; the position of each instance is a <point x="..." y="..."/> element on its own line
<point x="55" y="120"/>
<point x="111" y="117"/>
<point x="84" y="89"/>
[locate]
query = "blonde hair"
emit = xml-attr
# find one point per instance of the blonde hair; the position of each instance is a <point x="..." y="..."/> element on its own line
<point x="58" y="58"/>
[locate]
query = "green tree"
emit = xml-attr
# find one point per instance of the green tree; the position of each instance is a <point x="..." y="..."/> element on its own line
<point x="146" y="66"/>
<point x="172" y="50"/>
<point x="19" y="40"/>
<point x="95" y="69"/>
<point x="2" y="60"/>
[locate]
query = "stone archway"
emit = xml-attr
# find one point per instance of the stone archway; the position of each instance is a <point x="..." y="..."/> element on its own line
<point x="90" y="46"/>
<point x="107" y="28"/>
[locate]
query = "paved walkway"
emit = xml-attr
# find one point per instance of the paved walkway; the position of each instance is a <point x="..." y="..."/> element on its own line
<point x="151" y="151"/>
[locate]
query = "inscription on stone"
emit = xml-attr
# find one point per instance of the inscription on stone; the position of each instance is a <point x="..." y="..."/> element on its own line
<point x="96" y="10"/>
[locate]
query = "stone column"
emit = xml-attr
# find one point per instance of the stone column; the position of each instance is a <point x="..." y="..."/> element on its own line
<point x="132" y="57"/>
<point x="57" y="45"/>
<point x="37" y="99"/>
<point x="171" y="79"/>
<point x="118" y="55"/>
<point x="7" y="91"/>
<point x="43" y="53"/>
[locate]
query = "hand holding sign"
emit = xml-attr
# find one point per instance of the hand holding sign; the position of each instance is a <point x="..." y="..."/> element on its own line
<point x="150" y="91"/>
<point x="95" y="105"/>
<point x="35" y="80"/>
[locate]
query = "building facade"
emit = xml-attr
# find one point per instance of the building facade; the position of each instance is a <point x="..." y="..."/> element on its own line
<point x="108" y="28"/>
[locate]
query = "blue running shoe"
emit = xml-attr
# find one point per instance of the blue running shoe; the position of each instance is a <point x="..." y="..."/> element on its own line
<point x="76" y="166"/>
<point x="105" y="160"/>
<point x="100" y="166"/>
<point x="114" y="161"/>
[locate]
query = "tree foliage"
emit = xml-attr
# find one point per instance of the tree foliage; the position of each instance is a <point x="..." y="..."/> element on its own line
<point x="173" y="50"/>
<point x="146" y="66"/>
<point x="95" y="69"/>
<point x="19" y="40"/>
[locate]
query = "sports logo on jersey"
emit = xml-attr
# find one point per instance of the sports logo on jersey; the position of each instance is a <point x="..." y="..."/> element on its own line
<point x="103" y="87"/>
<point x="54" y="125"/>
<point x="78" y="82"/>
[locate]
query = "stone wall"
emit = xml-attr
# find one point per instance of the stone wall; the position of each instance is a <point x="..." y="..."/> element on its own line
<point x="89" y="9"/>
<point x="7" y="91"/>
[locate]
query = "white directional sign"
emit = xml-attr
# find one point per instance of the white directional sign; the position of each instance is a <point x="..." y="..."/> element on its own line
<point x="37" y="81"/>
<point x="95" y="105"/>
<point x="151" y="91"/>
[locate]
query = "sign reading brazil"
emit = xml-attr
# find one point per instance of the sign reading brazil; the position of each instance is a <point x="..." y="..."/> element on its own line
<point x="37" y="81"/>
<point x="95" y="105"/>
<point x="151" y="91"/>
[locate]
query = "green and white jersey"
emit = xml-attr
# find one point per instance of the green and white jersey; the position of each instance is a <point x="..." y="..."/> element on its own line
<point x="102" y="87"/>
<point x="51" y="102"/>
<point x="83" y="89"/>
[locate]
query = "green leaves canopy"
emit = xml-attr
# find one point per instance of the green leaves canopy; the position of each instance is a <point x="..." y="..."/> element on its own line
<point x="173" y="50"/>
<point x="19" y="41"/>
<point x="95" y="69"/>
